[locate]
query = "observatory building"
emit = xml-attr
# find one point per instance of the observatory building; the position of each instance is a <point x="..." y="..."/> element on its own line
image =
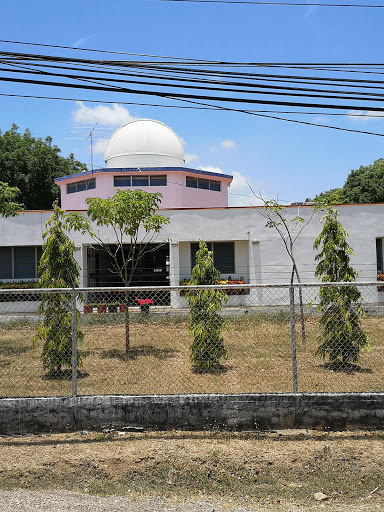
<point x="146" y="154"/>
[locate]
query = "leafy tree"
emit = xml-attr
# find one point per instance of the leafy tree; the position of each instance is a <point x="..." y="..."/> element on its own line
<point x="289" y="230"/>
<point x="7" y="194"/>
<point x="132" y="217"/>
<point x="333" y="196"/>
<point x="363" y="185"/>
<point x="31" y="164"/>
<point x="206" y="323"/>
<point x="366" y="184"/>
<point x="342" y="335"/>
<point x="59" y="269"/>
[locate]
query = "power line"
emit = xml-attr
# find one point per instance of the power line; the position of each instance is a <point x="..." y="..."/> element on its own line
<point x="88" y="100"/>
<point x="249" y="2"/>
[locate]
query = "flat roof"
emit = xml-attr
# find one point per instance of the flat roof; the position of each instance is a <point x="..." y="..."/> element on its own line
<point x="144" y="169"/>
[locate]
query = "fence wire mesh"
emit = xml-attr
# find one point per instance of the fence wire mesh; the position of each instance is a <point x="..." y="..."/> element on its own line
<point x="170" y="340"/>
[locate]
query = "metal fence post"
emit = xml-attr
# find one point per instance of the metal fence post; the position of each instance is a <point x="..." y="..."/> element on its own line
<point x="293" y="337"/>
<point x="74" y="342"/>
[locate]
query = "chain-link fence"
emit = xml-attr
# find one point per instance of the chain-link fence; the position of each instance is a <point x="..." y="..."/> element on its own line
<point x="170" y="340"/>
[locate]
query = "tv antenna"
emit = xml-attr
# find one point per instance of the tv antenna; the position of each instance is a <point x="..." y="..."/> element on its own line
<point x="91" y="133"/>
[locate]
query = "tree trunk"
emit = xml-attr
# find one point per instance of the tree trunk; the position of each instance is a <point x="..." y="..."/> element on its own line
<point x="303" y="340"/>
<point x="127" y="340"/>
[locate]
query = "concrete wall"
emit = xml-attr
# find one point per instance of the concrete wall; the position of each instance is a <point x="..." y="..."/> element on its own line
<point x="193" y="412"/>
<point x="245" y="226"/>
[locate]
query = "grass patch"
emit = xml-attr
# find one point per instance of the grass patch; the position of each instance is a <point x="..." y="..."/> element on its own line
<point x="258" y="347"/>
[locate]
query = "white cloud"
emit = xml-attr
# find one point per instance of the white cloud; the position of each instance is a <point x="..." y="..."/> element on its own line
<point x="319" y="119"/>
<point x="209" y="168"/>
<point x="364" y="116"/>
<point x="228" y="144"/>
<point x="103" y="114"/>
<point x="190" y="158"/>
<point x="224" y="144"/>
<point x="81" y="41"/>
<point x="99" y="146"/>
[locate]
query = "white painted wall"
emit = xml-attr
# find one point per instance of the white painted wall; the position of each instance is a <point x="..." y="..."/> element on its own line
<point x="270" y="263"/>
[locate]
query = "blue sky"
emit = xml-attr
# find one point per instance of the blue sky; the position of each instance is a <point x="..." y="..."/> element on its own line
<point x="278" y="158"/>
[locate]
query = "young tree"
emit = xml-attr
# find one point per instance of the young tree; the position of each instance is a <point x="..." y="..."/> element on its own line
<point x="59" y="269"/>
<point x="132" y="217"/>
<point x="7" y="195"/>
<point x="205" y="322"/>
<point x="289" y="230"/>
<point x="342" y="335"/>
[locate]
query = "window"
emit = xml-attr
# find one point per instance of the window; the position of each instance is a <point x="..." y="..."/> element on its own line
<point x="122" y="181"/>
<point x="202" y="183"/>
<point x="223" y="255"/>
<point x="80" y="186"/>
<point x="20" y="262"/>
<point x="191" y="182"/>
<point x="158" y="181"/>
<point x="379" y="255"/>
<point x="140" y="181"/>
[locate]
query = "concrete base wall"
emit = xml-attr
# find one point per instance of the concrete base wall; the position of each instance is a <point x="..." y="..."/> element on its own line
<point x="193" y="412"/>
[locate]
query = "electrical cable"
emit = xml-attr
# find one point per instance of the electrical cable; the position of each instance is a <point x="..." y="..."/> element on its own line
<point x="249" y="2"/>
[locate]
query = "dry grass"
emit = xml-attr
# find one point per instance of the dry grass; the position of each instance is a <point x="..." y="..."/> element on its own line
<point x="259" y="359"/>
<point x="275" y="471"/>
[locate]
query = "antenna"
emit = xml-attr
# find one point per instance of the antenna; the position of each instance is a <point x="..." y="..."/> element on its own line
<point x="90" y="137"/>
<point x="91" y="133"/>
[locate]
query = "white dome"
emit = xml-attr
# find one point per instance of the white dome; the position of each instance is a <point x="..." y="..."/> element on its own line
<point x="144" y="143"/>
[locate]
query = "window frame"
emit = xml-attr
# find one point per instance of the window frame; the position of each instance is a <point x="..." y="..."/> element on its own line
<point x="194" y="246"/>
<point x="89" y="184"/>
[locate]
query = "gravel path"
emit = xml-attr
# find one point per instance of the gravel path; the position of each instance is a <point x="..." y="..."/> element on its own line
<point x="63" y="501"/>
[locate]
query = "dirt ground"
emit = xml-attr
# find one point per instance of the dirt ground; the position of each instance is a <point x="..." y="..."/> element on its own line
<point x="269" y="471"/>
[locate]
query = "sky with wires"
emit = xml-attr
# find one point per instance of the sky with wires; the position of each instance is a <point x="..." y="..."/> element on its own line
<point x="286" y="98"/>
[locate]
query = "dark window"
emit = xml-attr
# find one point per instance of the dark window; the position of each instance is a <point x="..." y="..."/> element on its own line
<point x="379" y="255"/>
<point x="191" y="182"/>
<point x="122" y="181"/>
<point x="5" y="262"/>
<point x="39" y="255"/>
<point x="25" y="262"/>
<point x="204" y="184"/>
<point x="223" y="255"/>
<point x="158" y="181"/>
<point x="80" y="186"/>
<point x="140" y="181"/>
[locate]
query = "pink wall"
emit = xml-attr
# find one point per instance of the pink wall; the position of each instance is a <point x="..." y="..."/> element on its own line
<point x="175" y="194"/>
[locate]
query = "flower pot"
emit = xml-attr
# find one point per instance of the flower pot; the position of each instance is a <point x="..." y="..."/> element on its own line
<point x="122" y="308"/>
<point x="101" y="308"/>
<point x="88" y="309"/>
<point x="144" y="309"/>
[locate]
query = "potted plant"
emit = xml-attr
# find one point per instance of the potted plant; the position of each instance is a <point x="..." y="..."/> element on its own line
<point x="88" y="308"/>
<point x="102" y="307"/>
<point x="144" y="305"/>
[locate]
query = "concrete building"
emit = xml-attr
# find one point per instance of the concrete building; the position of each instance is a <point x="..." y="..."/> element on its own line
<point x="148" y="155"/>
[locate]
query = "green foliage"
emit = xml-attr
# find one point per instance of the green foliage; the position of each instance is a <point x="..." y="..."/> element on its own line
<point x="342" y="335"/>
<point x="59" y="270"/>
<point x="7" y="194"/>
<point x="31" y="164"/>
<point x="366" y="184"/>
<point x="363" y="185"/>
<point x="205" y="322"/>
<point x="333" y="196"/>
